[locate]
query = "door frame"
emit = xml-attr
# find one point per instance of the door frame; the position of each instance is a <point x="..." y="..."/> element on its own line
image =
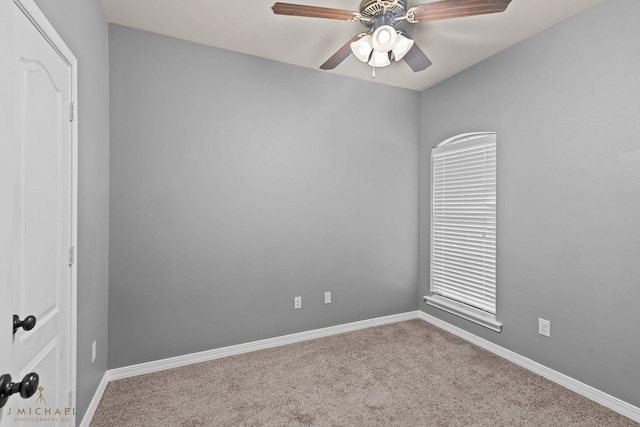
<point x="39" y="20"/>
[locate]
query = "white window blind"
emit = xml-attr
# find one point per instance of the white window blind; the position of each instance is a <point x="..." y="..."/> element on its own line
<point x="463" y="221"/>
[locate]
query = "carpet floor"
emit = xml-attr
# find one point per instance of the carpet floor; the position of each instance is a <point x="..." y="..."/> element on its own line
<point x="404" y="374"/>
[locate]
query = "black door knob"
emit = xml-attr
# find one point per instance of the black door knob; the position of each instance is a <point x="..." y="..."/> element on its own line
<point x="27" y="324"/>
<point x="27" y="387"/>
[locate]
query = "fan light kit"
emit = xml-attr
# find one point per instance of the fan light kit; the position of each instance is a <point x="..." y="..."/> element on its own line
<point x="383" y="41"/>
<point x="374" y="48"/>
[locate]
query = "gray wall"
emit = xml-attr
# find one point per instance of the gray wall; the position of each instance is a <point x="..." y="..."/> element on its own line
<point x="238" y="183"/>
<point x="82" y="26"/>
<point x="566" y="107"/>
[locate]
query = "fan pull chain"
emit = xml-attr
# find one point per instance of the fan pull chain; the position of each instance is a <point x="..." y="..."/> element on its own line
<point x="373" y="72"/>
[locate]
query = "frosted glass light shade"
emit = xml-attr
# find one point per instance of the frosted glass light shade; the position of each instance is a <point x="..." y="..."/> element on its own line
<point x="362" y="48"/>
<point x="402" y="46"/>
<point x="384" y="38"/>
<point x="379" y="59"/>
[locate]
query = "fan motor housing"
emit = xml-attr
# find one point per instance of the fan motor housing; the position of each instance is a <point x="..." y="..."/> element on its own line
<point x="375" y="10"/>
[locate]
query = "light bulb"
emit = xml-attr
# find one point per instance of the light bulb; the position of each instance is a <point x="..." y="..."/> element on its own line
<point x="384" y="38"/>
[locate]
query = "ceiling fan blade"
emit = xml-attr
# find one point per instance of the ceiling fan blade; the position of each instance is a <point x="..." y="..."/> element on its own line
<point x="416" y="59"/>
<point x="446" y="9"/>
<point x="311" y="11"/>
<point x="340" y="55"/>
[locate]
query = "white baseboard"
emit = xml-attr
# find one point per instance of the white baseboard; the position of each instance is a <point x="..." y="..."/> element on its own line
<point x="598" y="396"/>
<point x="587" y="391"/>
<point x="203" y="356"/>
<point x="93" y="406"/>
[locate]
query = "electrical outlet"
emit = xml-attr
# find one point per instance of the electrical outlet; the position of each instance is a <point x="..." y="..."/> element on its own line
<point x="93" y="352"/>
<point x="327" y="297"/>
<point x="544" y="327"/>
<point x="297" y="303"/>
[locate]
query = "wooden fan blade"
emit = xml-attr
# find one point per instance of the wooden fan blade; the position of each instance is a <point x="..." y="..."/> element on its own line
<point x="340" y="55"/>
<point x="416" y="59"/>
<point x="311" y="11"/>
<point x="446" y="9"/>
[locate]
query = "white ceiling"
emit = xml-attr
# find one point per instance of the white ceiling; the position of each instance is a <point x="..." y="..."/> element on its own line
<point x="250" y="26"/>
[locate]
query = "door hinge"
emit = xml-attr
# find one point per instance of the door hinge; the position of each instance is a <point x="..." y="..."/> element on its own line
<point x="72" y="255"/>
<point x="72" y="111"/>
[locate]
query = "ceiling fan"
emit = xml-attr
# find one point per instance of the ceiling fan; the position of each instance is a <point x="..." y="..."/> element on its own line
<point x="384" y="41"/>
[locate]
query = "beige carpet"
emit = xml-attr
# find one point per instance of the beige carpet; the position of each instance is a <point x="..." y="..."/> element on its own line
<point x="404" y="374"/>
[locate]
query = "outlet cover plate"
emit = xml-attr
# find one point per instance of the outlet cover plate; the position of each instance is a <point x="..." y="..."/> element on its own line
<point x="327" y="297"/>
<point x="544" y="327"/>
<point x="297" y="303"/>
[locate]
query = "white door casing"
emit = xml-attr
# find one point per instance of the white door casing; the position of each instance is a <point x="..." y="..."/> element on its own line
<point x="38" y="192"/>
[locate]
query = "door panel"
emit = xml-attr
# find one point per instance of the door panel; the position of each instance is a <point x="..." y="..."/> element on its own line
<point x="42" y="105"/>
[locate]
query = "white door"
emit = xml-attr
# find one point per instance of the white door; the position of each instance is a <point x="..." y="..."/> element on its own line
<point x="36" y="190"/>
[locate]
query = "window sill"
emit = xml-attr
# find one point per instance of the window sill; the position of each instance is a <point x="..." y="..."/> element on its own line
<point x="469" y="314"/>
